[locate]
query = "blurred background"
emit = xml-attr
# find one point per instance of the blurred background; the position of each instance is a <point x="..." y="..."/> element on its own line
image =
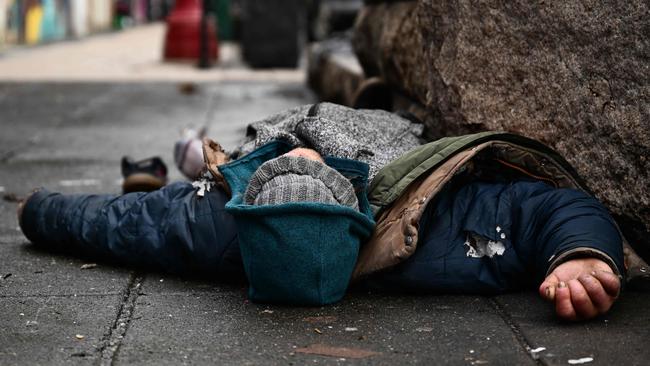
<point x="137" y="74"/>
<point x="262" y="34"/>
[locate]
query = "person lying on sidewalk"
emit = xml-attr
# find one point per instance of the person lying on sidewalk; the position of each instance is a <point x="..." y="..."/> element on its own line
<point x="478" y="214"/>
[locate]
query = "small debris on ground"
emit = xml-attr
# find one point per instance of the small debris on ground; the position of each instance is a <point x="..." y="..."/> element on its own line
<point x="11" y="197"/>
<point x="318" y="331"/>
<point x="339" y="352"/>
<point x="31" y="323"/>
<point x="89" y="266"/>
<point x="472" y="361"/>
<point x="4" y="277"/>
<point x="534" y="352"/>
<point x="351" y="329"/>
<point x="266" y="311"/>
<point x="581" y="360"/>
<point x="424" y="329"/>
<point x="79" y="336"/>
<point x="187" y="88"/>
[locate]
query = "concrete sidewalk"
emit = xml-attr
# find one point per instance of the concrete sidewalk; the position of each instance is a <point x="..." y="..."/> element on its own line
<point x="69" y="136"/>
<point x="130" y="55"/>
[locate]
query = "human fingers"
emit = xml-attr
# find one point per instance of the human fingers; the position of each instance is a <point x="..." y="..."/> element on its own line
<point x="599" y="297"/>
<point x="582" y="304"/>
<point x="563" y="306"/>
<point x="610" y="282"/>
<point x="547" y="288"/>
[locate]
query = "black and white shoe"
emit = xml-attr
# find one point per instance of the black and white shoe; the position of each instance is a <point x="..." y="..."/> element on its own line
<point x="143" y="176"/>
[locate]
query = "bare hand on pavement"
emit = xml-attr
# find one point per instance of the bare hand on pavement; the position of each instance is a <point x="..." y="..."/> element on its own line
<point x="581" y="288"/>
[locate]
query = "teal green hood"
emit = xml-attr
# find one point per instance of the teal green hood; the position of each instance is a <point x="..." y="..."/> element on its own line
<point x="298" y="253"/>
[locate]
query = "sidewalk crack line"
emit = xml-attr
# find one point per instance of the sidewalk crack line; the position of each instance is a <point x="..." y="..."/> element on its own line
<point x="113" y="338"/>
<point x="514" y="328"/>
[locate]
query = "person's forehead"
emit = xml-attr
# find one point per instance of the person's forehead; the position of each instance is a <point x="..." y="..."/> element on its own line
<point x="305" y="153"/>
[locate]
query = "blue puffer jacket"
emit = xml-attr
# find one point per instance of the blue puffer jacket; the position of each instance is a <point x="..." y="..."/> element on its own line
<point x="482" y="213"/>
<point x="495" y="237"/>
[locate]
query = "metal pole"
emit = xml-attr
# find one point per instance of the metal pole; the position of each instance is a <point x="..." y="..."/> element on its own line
<point x="204" y="59"/>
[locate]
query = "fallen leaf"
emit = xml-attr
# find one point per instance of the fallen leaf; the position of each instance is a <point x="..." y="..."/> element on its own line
<point x="187" y="88"/>
<point x="4" y="277"/>
<point x="79" y="336"/>
<point x="329" y="351"/>
<point x="318" y="331"/>
<point x="11" y="197"/>
<point x="89" y="266"/>
<point x="320" y="319"/>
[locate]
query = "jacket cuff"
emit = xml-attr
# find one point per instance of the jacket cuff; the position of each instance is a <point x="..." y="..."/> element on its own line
<point x="583" y="252"/>
<point x="28" y="220"/>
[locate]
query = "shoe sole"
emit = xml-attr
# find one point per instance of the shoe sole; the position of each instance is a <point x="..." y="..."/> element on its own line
<point x="141" y="182"/>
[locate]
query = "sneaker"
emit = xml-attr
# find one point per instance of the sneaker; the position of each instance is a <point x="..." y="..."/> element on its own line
<point x="188" y="153"/>
<point x="143" y="176"/>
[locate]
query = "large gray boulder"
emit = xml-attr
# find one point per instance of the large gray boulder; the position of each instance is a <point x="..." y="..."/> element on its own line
<point x="575" y="75"/>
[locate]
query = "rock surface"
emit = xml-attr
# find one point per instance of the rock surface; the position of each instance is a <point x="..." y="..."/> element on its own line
<point x="333" y="71"/>
<point x="573" y="75"/>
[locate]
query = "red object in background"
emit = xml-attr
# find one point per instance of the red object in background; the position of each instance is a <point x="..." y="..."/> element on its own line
<point x="183" y="39"/>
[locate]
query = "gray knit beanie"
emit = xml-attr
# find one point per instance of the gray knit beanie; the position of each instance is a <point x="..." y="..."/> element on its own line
<point x="296" y="179"/>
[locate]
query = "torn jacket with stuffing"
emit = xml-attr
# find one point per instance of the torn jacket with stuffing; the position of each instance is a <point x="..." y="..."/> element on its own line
<point x="439" y="206"/>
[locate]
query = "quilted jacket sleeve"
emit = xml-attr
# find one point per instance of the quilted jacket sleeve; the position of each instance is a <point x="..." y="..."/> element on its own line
<point x="169" y="229"/>
<point x="490" y="238"/>
<point x="566" y="224"/>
